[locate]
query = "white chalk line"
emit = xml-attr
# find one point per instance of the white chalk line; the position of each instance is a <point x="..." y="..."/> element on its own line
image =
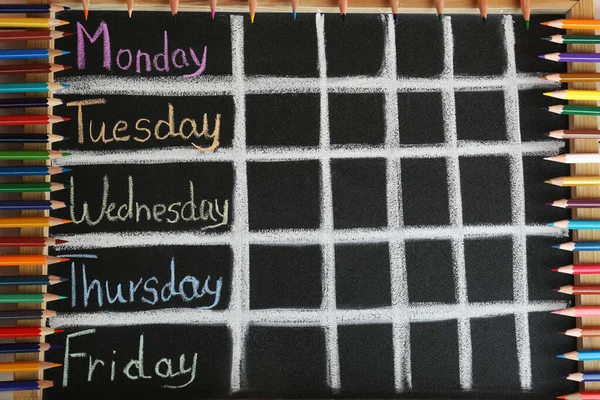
<point x="281" y="154"/>
<point x="415" y="312"/>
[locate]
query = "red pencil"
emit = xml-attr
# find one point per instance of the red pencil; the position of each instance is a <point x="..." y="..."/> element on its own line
<point x="579" y="289"/>
<point x="579" y="269"/>
<point x="29" y="241"/>
<point x="580" y="396"/>
<point x="32" y="68"/>
<point x="590" y="331"/>
<point x="27" y="331"/>
<point x="31" y="119"/>
<point x="579" y="311"/>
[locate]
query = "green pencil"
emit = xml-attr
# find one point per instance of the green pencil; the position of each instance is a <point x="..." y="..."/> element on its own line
<point x="574" y="110"/>
<point x="28" y="297"/>
<point x="31" y="154"/>
<point x="28" y="187"/>
<point x="573" y="39"/>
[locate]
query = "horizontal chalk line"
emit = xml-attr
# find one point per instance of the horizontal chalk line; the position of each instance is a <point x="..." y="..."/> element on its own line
<point x="189" y="154"/>
<point x="226" y="85"/>
<point x="414" y="312"/>
<point x="297" y="237"/>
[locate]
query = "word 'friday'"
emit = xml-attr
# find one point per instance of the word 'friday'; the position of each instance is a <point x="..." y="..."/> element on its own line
<point x="140" y="61"/>
<point x="148" y="291"/>
<point x="175" y="375"/>
<point x="209" y="213"/>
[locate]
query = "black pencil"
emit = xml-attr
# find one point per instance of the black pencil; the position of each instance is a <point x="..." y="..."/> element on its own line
<point x="26" y="314"/>
<point x="30" y="102"/>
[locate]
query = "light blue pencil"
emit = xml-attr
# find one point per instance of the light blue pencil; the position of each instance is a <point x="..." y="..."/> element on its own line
<point x="578" y="246"/>
<point x="581" y="355"/>
<point x="22" y="54"/>
<point x="577" y="224"/>
<point x="30" y="87"/>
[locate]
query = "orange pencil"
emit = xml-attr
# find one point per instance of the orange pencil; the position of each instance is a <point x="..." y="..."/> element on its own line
<point x="20" y="222"/>
<point x="29" y="259"/>
<point x="574" y="24"/>
<point x="86" y="8"/>
<point x="26" y="366"/>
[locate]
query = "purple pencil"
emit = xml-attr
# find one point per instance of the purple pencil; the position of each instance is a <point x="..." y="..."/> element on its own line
<point x="575" y="203"/>
<point x="572" y="57"/>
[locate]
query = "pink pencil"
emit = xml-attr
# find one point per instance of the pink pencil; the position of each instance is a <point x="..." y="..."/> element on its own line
<point x="579" y="311"/>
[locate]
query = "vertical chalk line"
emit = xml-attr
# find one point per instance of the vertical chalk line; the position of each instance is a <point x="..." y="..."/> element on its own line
<point x="240" y="280"/>
<point x="327" y="244"/>
<point x="398" y="278"/>
<point x="517" y="186"/>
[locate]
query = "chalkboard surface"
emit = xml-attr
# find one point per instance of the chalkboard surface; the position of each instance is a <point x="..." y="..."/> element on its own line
<point x="308" y="209"/>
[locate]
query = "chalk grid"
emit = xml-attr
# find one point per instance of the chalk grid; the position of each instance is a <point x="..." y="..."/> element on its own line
<point x="402" y="312"/>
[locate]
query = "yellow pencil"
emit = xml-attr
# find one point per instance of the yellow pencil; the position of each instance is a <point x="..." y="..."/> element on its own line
<point x="31" y="222"/>
<point x="575" y="94"/>
<point x="26" y="366"/>
<point x="565" y="181"/>
<point x="31" y="22"/>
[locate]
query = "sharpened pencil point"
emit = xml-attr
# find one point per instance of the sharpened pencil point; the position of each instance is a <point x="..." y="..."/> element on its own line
<point x="542" y="57"/>
<point x="545" y="23"/>
<point x="62" y="279"/>
<point x="395" y="16"/>
<point x="86" y="12"/>
<point x="545" y="108"/>
<point x="441" y="18"/>
<point x="549" y="203"/>
<point x="66" y="8"/>
<point x="67" y="186"/>
<point x="212" y="12"/>
<point x="562" y="333"/>
<point x="556" y="246"/>
<point x="294" y="14"/>
<point x="343" y="18"/>
<point x="547" y="38"/>
<point x="549" y="223"/>
<point x="547" y="94"/>
<point x="65" y="52"/>
<point x="527" y="24"/>
<point x="64" y="169"/>
<point x="560" y="356"/>
<point x="557" y="312"/>
<point x="548" y="181"/>
<point x="554" y="270"/>
<point x="56" y="330"/>
<point x="64" y="86"/>
<point x="62" y="297"/>
<point x="61" y="241"/>
<point x="66" y="154"/>
<point x="555" y="290"/>
<point x="252" y="18"/>
<point x="63" y="259"/>
<point x="483" y="19"/>
<point x="565" y="376"/>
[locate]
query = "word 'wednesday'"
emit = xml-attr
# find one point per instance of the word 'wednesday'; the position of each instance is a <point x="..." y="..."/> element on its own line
<point x="188" y="289"/>
<point x="174" y="375"/>
<point x="207" y="211"/>
<point x="140" y="61"/>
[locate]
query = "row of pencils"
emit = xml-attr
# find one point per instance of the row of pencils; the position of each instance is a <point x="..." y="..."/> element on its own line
<point x="577" y="203"/>
<point x="29" y="170"/>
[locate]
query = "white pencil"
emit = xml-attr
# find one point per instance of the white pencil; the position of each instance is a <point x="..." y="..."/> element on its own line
<point x="575" y="158"/>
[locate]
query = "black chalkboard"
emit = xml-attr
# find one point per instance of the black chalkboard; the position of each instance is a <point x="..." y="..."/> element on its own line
<point x="308" y="209"/>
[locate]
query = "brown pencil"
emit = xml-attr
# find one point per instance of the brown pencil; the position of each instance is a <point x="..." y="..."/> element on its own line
<point x="32" y="69"/>
<point x="572" y="77"/>
<point x="583" y="332"/>
<point x="575" y="133"/>
<point x="578" y="289"/>
<point x="21" y="35"/>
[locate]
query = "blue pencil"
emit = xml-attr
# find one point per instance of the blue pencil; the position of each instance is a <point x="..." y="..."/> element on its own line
<point x="32" y="171"/>
<point x="11" y="386"/>
<point x="22" y="54"/>
<point x="577" y="224"/>
<point x="581" y="355"/>
<point x="31" y="205"/>
<point x="31" y="8"/>
<point x="11" y="348"/>
<point x="578" y="246"/>
<point x="583" y="377"/>
<point x="30" y="87"/>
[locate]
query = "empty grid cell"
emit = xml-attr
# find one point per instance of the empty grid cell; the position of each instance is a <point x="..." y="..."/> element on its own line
<point x="536" y="171"/>
<point x="495" y="361"/>
<point x="294" y="117"/>
<point x="359" y="188"/>
<point x="529" y="43"/>
<point x="422" y="58"/>
<point x="541" y="258"/>
<point x="284" y="195"/>
<point x="486" y="191"/>
<point x="356" y="118"/>
<point x="421" y="120"/>
<point x="362" y="275"/>
<point x="480" y="115"/>
<point x="429" y="271"/>
<point x="288" y="361"/>
<point x="533" y="119"/>
<point x="290" y="51"/>
<point x="354" y="47"/>
<point x="366" y="359"/>
<point x="434" y="346"/>
<point x="425" y="191"/>
<point x="473" y="56"/>
<point x="285" y="276"/>
<point x="488" y="265"/>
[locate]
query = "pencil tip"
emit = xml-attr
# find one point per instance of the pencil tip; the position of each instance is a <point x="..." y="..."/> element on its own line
<point x="57" y="330"/>
<point x="343" y="18"/>
<point x="65" y="52"/>
<point x="547" y="38"/>
<point x="212" y="12"/>
<point x="562" y="333"/>
<point x="555" y="290"/>
<point x="66" y="8"/>
<point x="63" y="259"/>
<point x="62" y="297"/>
<point x="66" y="154"/>
<point x="549" y="223"/>
<point x="556" y="246"/>
<point x="543" y="57"/>
<point x="483" y="19"/>
<point x="554" y="270"/>
<point x="294" y="14"/>
<point x="527" y="24"/>
<point x="251" y="18"/>
<point x="130" y="12"/>
<point x="560" y="356"/>
<point x="441" y="17"/>
<point x="86" y="12"/>
<point x="395" y="19"/>
<point x="547" y="94"/>
<point x="549" y="203"/>
<point x="63" y="279"/>
<point x="545" y="108"/>
<point x="545" y="23"/>
<point x="175" y="17"/>
<point x="557" y="312"/>
<point x="61" y="241"/>
<point x="64" y="169"/>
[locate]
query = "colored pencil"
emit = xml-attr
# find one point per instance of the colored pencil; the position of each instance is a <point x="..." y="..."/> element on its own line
<point x="575" y="133"/>
<point x="579" y="269"/>
<point x="578" y="289"/>
<point x="526" y="10"/>
<point x="26" y="366"/>
<point x="29" y="241"/>
<point x="439" y="9"/>
<point x="573" y="110"/>
<point x="31" y="8"/>
<point x="6" y="120"/>
<point x="13" y="348"/>
<point x="578" y="246"/>
<point x="32" y="87"/>
<point x="252" y="7"/>
<point x="16" y="155"/>
<point x="30" y="280"/>
<point x="31" y="22"/>
<point x="583" y="377"/>
<point x="130" y="8"/>
<point x="29" y="259"/>
<point x="572" y="57"/>
<point x="573" y="24"/>
<point x="575" y="158"/>
<point x="21" y="222"/>
<point x="394" y="5"/>
<point x="33" y="68"/>
<point x="32" y="171"/>
<point x="580" y="396"/>
<point x="567" y="181"/>
<point x="575" y="203"/>
<point x="24" y="54"/>
<point x="574" y="94"/>
<point x="31" y="205"/>
<point x="572" y="77"/>
<point x="579" y="311"/>
<point x="589" y="331"/>
<point x="213" y="8"/>
<point x="30" y="102"/>
<point x="26" y="331"/>
<point x="573" y="39"/>
<point x="13" y="386"/>
<point x="483" y="9"/>
<point x="583" y="224"/>
<point x="581" y="355"/>
<point x="29" y="297"/>
<point x="29" y="138"/>
<point x="343" y="6"/>
<point x="86" y="8"/>
<point x="22" y="35"/>
<point x="32" y="187"/>
<point x="25" y="314"/>
<point x="174" y="5"/>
